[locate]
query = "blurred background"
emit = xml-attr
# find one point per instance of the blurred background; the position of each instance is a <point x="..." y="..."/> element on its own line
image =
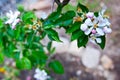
<point x="90" y="63"/>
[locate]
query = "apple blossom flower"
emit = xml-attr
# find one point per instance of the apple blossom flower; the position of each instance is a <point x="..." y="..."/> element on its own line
<point x="92" y="25"/>
<point x="13" y="18"/>
<point x="96" y="25"/>
<point x="94" y="31"/>
<point x="95" y="38"/>
<point x="41" y="75"/>
<point x="90" y="15"/>
<point x="107" y="30"/>
<point x="84" y="27"/>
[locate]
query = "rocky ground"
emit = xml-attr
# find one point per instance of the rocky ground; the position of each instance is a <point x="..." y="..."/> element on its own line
<point x="89" y="63"/>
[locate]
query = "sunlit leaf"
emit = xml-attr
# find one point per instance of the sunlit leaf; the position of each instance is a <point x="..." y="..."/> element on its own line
<point x="56" y="66"/>
<point x="23" y="63"/>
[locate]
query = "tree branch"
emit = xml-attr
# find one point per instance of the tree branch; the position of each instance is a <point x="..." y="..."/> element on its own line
<point x="58" y="2"/>
<point x="65" y="2"/>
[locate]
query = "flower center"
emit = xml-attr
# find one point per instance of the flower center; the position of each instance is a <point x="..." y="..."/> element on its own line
<point x="27" y="26"/>
<point x="34" y="27"/>
<point x="78" y="19"/>
<point x="39" y="23"/>
<point x="95" y="26"/>
<point x="79" y="10"/>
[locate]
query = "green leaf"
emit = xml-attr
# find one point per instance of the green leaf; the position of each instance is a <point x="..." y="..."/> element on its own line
<point x="17" y="32"/>
<point x="1" y="23"/>
<point x="49" y="46"/>
<point x="102" y="44"/>
<point x="83" y="8"/>
<point x="56" y="66"/>
<point x="69" y="7"/>
<point x="96" y="14"/>
<point x="55" y="15"/>
<point x="37" y="57"/>
<point x="20" y="7"/>
<point x="16" y="55"/>
<point x="23" y="63"/>
<point x="11" y="33"/>
<point x="82" y="41"/>
<point x="66" y="19"/>
<point x="1" y="57"/>
<point x="74" y="27"/>
<point x="48" y="24"/>
<point x="53" y="34"/>
<point x="75" y="35"/>
<point x="30" y="38"/>
<point x="27" y="17"/>
<point x="52" y="50"/>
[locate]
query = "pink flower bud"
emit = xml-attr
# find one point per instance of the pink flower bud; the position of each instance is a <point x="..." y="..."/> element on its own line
<point x="18" y="20"/>
<point x="94" y="31"/>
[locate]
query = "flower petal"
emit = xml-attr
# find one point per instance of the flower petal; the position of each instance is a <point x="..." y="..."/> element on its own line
<point x="100" y="31"/>
<point x="88" y="22"/>
<point x="37" y="70"/>
<point x="84" y="27"/>
<point x="107" y="30"/>
<point x="98" y="40"/>
<point x="107" y="22"/>
<point x="90" y="15"/>
<point x="16" y="14"/>
<point x="92" y="41"/>
<point x="14" y="23"/>
<point x="87" y="32"/>
<point x="10" y="21"/>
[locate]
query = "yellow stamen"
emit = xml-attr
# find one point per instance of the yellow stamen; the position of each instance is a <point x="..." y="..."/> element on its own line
<point x="95" y="26"/>
<point x="78" y="19"/>
<point x="39" y="23"/>
<point x="27" y="26"/>
<point x="79" y="10"/>
<point x="34" y="27"/>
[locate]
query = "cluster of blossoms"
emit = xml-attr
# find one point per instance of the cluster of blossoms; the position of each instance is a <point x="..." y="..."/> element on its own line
<point x="41" y="75"/>
<point x="13" y="18"/>
<point x="96" y="26"/>
<point x="36" y="25"/>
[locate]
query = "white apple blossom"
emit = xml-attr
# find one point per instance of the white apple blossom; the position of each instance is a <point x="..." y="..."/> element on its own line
<point x="84" y="27"/>
<point x="95" y="38"/>
<point x="95" y="27"/>
<point x="107" y="30"/>
<point x="90" y="15"/>
<point x="13" y="18"/>
<point x="41" y="75"/>
<point x="92" y="25"/>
